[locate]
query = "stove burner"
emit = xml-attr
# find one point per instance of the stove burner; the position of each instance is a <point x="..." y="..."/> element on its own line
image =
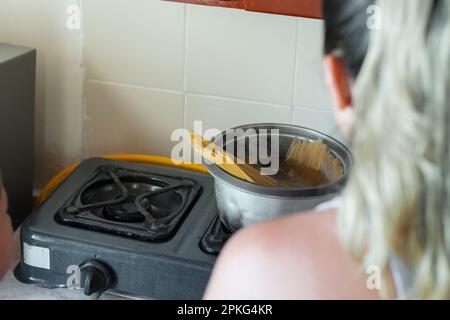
<point x="122" y="212"/>
<point x="125" y="212"/>
<point x="137" y="205"/>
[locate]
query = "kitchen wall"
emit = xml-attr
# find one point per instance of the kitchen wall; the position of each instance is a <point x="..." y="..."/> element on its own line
<point x="139" y="69"/>
<point x="41" y="24"/>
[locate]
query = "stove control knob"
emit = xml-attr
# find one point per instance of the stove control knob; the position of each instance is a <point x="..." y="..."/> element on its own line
<point x="96" y="277"/>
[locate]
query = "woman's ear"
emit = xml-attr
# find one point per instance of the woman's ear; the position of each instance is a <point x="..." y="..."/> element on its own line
<point x="338" y="81"/>
<point x="340" y="86"/>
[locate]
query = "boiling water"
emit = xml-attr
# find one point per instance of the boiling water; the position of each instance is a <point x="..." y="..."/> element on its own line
<point x="290" y="176"/>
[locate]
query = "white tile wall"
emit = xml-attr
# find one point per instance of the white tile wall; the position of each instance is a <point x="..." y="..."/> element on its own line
<point x="130" y="119"/>
<point x="152" y="66"/>
<point x="225" y="67"/>
<point x="223" y="113"/>
<point x="135" y="42"/>
<point x="316" y="119"/>
<point x="41" y="24"/>
<point x="238" y="54"/>
<point x="310" y="89"/>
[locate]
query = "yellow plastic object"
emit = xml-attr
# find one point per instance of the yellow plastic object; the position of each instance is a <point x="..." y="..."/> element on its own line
<point x="136" y="158"/>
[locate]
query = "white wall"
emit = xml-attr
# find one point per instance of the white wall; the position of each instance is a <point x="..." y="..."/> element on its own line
<point x="41" y="24"/>
<point x="154" y="66"/>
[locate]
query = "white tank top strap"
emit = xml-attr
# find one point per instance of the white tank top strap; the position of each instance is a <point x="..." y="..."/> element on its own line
<point x="403" y="277"/>
<point x="334" y="203"/>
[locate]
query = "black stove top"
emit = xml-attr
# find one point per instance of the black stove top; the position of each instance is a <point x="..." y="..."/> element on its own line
<point x="142" y="230"/>
<point x="130" y="203"/>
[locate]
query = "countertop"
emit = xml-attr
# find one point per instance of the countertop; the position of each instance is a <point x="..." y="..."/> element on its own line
<point x="12" y="289"/>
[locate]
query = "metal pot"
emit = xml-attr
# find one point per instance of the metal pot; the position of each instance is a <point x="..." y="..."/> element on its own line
<point x="242" y="204"/>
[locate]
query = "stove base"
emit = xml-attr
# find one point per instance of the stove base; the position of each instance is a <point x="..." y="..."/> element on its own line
<point x="178" y="268"/>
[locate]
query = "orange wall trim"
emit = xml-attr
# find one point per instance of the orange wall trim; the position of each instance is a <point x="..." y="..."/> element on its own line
<point x="239" y="4"/>
<point x="299" y="8"/>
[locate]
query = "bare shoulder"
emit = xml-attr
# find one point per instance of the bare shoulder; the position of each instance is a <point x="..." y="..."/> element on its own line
<point x="296" y="257"/>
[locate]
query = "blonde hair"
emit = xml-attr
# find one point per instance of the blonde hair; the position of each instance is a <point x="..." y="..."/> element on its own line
<point x="397" y="201"/>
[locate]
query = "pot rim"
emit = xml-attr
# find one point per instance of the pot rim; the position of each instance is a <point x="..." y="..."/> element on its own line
<point x="338" y="148"/>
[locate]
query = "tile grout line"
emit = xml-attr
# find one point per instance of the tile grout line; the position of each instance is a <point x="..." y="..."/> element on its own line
<point x="185" y="66"/>
<point x="313" y="109"/>
<point x="262" y="103"/>
<point x="135" y="86"/>
<point x="83" y="152"/>
<point x="295" y="80"/>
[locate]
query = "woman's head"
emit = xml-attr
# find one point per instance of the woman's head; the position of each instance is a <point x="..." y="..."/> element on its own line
<point x="398" y="197"/>
<point x="346" y="43"/>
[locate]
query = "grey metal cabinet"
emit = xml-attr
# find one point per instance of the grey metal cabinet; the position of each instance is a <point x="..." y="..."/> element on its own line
<point x="17" y="104"/>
